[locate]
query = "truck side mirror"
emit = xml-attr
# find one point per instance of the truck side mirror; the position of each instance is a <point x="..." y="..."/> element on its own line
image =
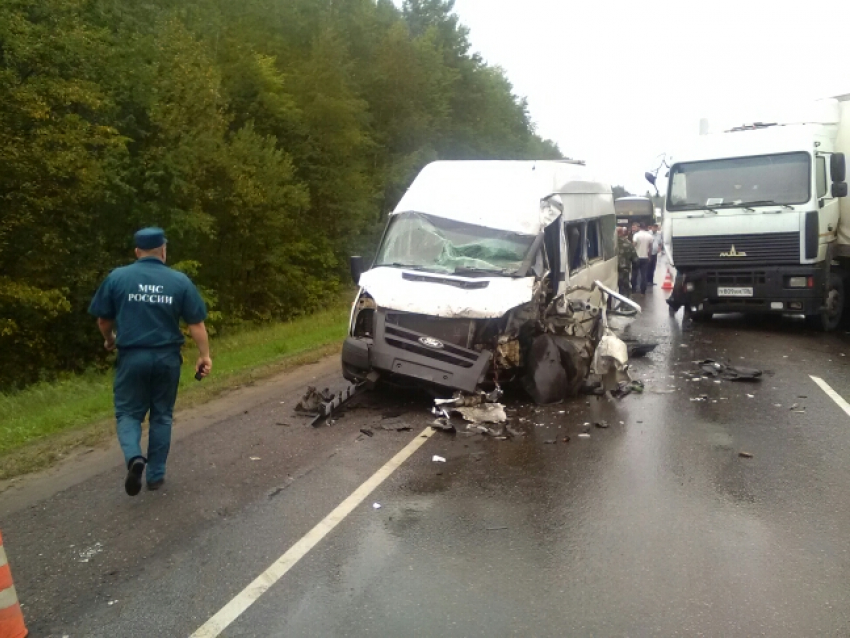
<point x="355" y="263"/>
<point x="837" y="168"/>
<point x="839" y="189"/>
<point x="649" y="177"/>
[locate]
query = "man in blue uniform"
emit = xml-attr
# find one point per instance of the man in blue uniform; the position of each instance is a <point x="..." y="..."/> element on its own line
<point x="138" y="309"/>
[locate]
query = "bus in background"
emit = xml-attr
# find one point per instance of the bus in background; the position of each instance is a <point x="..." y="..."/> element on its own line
<point x="631" y="210"/>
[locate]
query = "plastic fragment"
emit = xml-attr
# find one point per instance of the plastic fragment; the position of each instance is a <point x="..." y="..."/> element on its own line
<point x="438" y="459"/>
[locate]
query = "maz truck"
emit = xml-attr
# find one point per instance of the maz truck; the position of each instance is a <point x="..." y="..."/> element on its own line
<point x="757" y="220"/>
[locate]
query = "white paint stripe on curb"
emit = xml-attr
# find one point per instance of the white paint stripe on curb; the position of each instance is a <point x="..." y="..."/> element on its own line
<point x="248" y="596"/>
<point x="832" y="394"/>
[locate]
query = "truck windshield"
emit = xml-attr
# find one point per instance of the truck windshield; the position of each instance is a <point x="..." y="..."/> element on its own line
<point x="427" y="242"/>
<point x="779" y="179"/>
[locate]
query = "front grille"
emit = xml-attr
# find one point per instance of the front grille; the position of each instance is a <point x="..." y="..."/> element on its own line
<point x="768" y="248"/>
<point x="456" y="331"/>
<point x="733" y="278"/>
<point x="409" y="341"/>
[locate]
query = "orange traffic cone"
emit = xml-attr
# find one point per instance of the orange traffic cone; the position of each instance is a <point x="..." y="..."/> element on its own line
<point x="11" y="617"/>
<point x="668" y="281"/>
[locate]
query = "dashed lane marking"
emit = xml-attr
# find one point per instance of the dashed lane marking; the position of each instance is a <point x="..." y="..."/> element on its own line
<point x="832" y="394"/>
<point x="248" y="596"/>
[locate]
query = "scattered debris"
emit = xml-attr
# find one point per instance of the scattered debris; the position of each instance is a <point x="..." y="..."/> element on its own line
<point x="367" y="432"/>
<point x="484" y="413"/>
<point x="444" y="425"/>
<point x="626" y="389"/>
<point x="751" y="396"/>
<point x="550" y="441"/>
<point x="584" y="435"/>
<point x="700" y="399"/>
<point x="112" y="602"/>
<point x="710" y="369"/>
<point x="376" y="506"/>
<point x="566" y="439"/>
<point x="496" y="528"/>
<point x="313" y="400"/>
<point x="255" y="458"/>
<point x="601" y="424"/>
<point x="438" y="459"/>
<point x="745" y="455"/>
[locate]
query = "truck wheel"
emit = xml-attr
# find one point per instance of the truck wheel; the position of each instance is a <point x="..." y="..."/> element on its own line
<point x="829" y="318"/>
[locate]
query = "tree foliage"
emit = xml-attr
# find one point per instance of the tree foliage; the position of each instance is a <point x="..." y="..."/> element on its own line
<point x="268" y="137"/>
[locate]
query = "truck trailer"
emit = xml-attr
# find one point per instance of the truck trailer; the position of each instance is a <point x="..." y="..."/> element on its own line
<point x="757" y="220"/>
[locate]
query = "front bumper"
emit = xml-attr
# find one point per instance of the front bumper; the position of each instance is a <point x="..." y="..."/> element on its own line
<point x="771" y="292"/>
<point x="398" y="351"/>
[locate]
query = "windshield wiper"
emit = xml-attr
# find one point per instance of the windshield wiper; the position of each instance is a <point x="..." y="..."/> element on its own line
<point x="463" y="270"/>
<point x="689" y="206"/>
<point x="398" y="264"/>
<point x="765" y="202"/>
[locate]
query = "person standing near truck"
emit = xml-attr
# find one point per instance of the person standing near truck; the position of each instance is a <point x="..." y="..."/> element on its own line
<point x="655" y="250"/>
<point x="138" y="309"/>
<point x="626" y="258"/>
<point x="643" y="247"/>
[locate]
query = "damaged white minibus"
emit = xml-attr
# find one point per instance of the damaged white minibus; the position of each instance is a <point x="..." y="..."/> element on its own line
<point x="481" y="263"/>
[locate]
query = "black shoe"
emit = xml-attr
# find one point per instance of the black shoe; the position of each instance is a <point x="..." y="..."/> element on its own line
<point x="155" y="485"/>
<point x="133" y="482"/>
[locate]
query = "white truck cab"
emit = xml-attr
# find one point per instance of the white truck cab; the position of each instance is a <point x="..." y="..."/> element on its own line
<point x="756" y="221"/>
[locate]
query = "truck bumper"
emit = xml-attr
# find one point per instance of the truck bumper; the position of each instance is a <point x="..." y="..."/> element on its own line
<point x="399" y="352"/>
<point x="703" y="290"/>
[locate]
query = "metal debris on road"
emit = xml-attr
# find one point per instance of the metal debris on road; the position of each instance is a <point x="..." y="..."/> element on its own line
<point x="745" y="455"/>
<point x="496" y="528"/>
<point x="367" y="432"/>
<point x="438" y="459"/>
<point x="376" y="506"/>
<point x="601" y="424"/>
<point x="255" y="458"/>
<point x="751" y="396"/>
<point x="710" y="369"/>
<point x="584" y="435"/>
<point x="700" y="399"/>
<point x="484" y="413"/>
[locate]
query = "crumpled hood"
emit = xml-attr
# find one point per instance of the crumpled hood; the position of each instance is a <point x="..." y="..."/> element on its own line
<point x="446" y="295"/>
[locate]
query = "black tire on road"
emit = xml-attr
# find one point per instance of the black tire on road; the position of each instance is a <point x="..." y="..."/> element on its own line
<point x="830" y="317"/>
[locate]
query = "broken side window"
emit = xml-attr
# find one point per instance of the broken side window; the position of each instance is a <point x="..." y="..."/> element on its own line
<point x="575" y="245"/>
<point x="608" y="231"/>
<point x="594" y="246"/>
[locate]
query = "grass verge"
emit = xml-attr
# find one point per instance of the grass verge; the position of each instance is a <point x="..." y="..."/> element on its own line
<point x="43" y="422"/>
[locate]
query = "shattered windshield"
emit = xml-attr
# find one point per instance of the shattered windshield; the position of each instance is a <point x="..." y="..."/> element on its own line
<point x="778" y="179"/>
<point x="427" y="242"/>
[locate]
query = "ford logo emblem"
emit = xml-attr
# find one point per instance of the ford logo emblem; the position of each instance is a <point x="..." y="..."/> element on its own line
<point x="430" y="342"/>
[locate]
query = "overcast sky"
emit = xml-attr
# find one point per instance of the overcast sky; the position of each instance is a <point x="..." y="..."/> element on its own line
<point x="618" y="82"/>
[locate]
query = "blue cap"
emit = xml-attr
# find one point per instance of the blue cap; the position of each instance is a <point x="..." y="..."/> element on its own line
<point x="150" y="238"/>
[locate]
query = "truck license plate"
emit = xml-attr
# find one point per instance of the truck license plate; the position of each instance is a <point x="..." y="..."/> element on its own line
<point x="735" y="292"/>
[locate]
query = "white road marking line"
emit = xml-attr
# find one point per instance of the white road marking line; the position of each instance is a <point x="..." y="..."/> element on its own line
<point x="832" y="394"/>
<point x="248" y="596"/>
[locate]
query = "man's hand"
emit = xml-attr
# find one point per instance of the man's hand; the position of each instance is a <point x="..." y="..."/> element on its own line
<point x="203" y="366"/>
<point x="109" y="344"/>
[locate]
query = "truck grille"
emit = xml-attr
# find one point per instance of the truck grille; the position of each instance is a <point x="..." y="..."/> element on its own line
<point x="456" y="331"/>
<point x="768" y="248"/>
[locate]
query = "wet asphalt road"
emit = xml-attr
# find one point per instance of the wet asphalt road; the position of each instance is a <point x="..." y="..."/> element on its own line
<point x="654" y="526"/>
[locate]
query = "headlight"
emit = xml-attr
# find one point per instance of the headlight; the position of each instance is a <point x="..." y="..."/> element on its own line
<point x="801" y="282"/>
